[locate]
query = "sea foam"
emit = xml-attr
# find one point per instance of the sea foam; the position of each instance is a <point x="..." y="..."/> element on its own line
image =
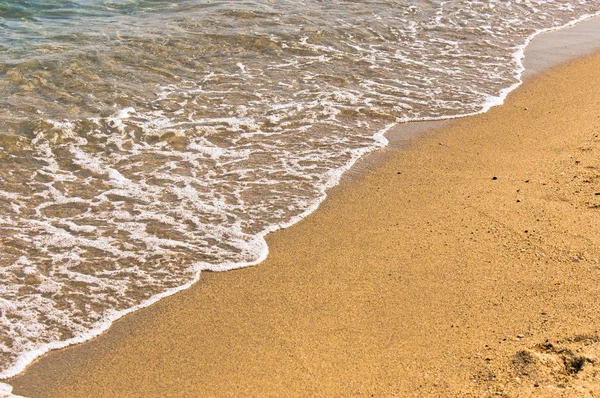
<point x="175" y="147"/>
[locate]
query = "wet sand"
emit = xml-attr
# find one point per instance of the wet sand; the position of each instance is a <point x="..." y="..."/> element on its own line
<point x="462" y="263"/>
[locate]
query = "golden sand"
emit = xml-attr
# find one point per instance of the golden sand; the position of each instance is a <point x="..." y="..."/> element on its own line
<point x="465" y="264"/>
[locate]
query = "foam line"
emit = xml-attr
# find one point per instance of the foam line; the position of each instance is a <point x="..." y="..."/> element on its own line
<point x="258" y="245"/>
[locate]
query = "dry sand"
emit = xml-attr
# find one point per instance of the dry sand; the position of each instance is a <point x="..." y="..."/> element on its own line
<point x="465" y="264"/>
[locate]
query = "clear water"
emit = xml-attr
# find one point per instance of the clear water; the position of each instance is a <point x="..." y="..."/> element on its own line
<point x="144" y="141"/>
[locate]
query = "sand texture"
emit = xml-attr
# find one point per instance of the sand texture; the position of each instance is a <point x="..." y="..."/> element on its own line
<point x="465" y="264"/>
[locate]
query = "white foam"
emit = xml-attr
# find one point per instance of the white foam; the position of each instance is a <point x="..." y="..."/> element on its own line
<point x="323" y="108"/>
<point x="259" y="244"/>
<point x="29" y="356"/>
<point x="6" y="391"/>
<point x="242" y="67"/>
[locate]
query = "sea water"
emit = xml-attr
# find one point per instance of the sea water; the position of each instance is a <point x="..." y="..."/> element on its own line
<point x="142" y="142"/>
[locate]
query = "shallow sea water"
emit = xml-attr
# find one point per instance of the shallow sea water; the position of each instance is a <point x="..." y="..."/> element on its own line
<point x="144" y="141"/>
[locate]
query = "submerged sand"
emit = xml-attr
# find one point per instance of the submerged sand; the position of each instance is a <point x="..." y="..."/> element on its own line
<point x="464" y="264"/>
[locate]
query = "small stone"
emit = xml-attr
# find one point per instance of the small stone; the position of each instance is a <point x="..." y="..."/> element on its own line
<point x="494" y="178"/>
<point x="518" y="200"/>
<point x="536" y="385"/>
<point x="520" y="336"/>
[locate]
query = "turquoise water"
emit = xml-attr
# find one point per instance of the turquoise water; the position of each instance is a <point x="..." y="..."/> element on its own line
<point x="143" y="142"/>
<point x="29" y="25"/>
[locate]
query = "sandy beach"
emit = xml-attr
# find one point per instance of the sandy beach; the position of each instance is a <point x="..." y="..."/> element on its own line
<point x="462" y="263"/>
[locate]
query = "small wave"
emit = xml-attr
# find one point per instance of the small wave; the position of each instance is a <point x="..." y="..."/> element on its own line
<point x="135" y="159"/>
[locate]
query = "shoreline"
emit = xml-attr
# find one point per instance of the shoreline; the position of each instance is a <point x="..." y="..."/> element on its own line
<point x="556" y="45"/>
<point x="543" y="51"/>
<point x="363" y="166"/>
